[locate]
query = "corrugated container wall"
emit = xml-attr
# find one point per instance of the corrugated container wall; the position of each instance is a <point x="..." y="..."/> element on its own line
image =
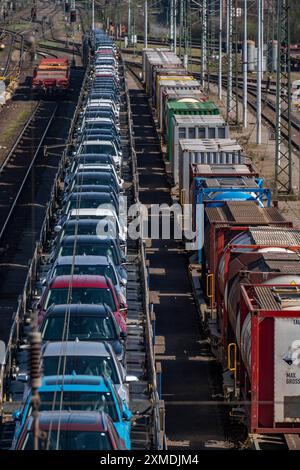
<point x="194" y="127"/>
<point x="205" y="152"/>
<point x="186" y="109"/>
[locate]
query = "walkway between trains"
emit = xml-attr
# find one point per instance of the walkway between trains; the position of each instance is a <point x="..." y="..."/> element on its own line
<point x="190" y="375"/>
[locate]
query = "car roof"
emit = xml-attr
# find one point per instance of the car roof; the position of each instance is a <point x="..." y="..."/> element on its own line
<point x="90" y="195"/>
<point x="79" y="280"/>
<point x="80" y="383"/>
<point x="95" y="222"/>
<point x="94" y="174"/>
<point x="78" y="309"/>
<point x="77" y="348"/>
<point x="87" y="240"/>
<point x="93" y="142"/>
<point x="72" y="420"/>
<point x="100" y="211"/>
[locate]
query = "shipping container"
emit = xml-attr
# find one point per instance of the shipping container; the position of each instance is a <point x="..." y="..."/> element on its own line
<point x="194" y="127"/>
<point x="164" y="81"/>
<point x="223" y="223"/>
<point x="264" y="257"/>
<point x="158" y="58"/>
<point x="182" y="92"/>
<point x="211" y="151"/>
<point x="165" y="71"/>
<point x="185" y="109"/>
<point x="268" y="341"/>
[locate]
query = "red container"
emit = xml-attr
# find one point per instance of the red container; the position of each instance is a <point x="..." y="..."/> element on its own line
<point x="269" y="374"/>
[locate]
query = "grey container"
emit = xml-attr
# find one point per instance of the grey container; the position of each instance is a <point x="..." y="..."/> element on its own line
<point x="159" y="58"/>
<point x="205" y="152"/>
<point x="195" y="127"/>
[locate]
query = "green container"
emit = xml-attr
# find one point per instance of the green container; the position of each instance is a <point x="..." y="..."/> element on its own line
<point x="185" y="108"/>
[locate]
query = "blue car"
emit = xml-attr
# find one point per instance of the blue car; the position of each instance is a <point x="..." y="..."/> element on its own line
<point x="80" y="393"/>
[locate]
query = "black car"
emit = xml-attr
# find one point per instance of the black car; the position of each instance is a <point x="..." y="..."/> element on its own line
<point x="86" y="322"/>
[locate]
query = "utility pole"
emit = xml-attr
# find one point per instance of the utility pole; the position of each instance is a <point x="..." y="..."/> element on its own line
<point x="145" y="24"/>
<point x="229" y="56"/>
<point x="180" y="26"/>
<point x="220" y="48"/>
<point x="175" y="26"/>
<point x="283" y="154"/>
<point x="129" y="22"/>
<point x="185" y="57"/>
<point x="232" y="68"/>
<point x="259" y="74"/>
<point x="171" y="24"/>
<point x="203" y="42"/>
<point x="93" y="14"/>
<point x="245" y="67"/>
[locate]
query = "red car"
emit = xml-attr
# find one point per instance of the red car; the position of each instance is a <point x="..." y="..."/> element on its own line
<point x="83" y="289"/>
<point x="78" y="430"/>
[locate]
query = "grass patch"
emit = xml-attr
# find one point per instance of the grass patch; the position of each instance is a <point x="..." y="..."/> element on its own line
<point x="12" y="127"/>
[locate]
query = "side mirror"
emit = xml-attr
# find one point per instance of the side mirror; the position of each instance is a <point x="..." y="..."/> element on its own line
<point x="127" y="415"/>
<point x="123" y="335"/>
<point x="44" y="282"/>
<point x="22" y="377"/>
<point x="57" y="228"/>
<point x="130" y="379"/>
<point x="123" y="282"/>
<point x="17" y="415"/>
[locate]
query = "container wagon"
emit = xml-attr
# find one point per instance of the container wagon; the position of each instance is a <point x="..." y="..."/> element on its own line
<point x="52" y="76"/>
<point x="250" y="258"/>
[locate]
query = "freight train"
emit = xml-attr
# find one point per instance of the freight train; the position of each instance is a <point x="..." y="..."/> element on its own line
<point x="84" y="404"/>
<point x="248" y="253"/>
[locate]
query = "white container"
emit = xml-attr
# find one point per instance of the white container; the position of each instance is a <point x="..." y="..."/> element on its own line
<point x="195" y="127"/>
<point x="205" y="152"/>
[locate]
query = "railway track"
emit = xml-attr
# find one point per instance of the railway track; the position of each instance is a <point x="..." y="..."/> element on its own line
<point x="17" y="166"/>
<point x="26" y="183"/>
<point x="138" y="344"/>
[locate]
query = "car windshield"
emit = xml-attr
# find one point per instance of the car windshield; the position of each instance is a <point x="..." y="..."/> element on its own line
<point x="99" y="113"/>
<point x="81" y="365"/>
<point x="71" y="440"/>
<point x="98" y="148"/>
<point x="80" y="229"/>
<point x="83" y="179"/>
<point x="88" y="250"/>
<point x="92" y="269"/>
<point x="81" y="401"/>
<point x="80" y="295"/>
<point x="99" y="127"/>
<point x="85" y="328"/>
